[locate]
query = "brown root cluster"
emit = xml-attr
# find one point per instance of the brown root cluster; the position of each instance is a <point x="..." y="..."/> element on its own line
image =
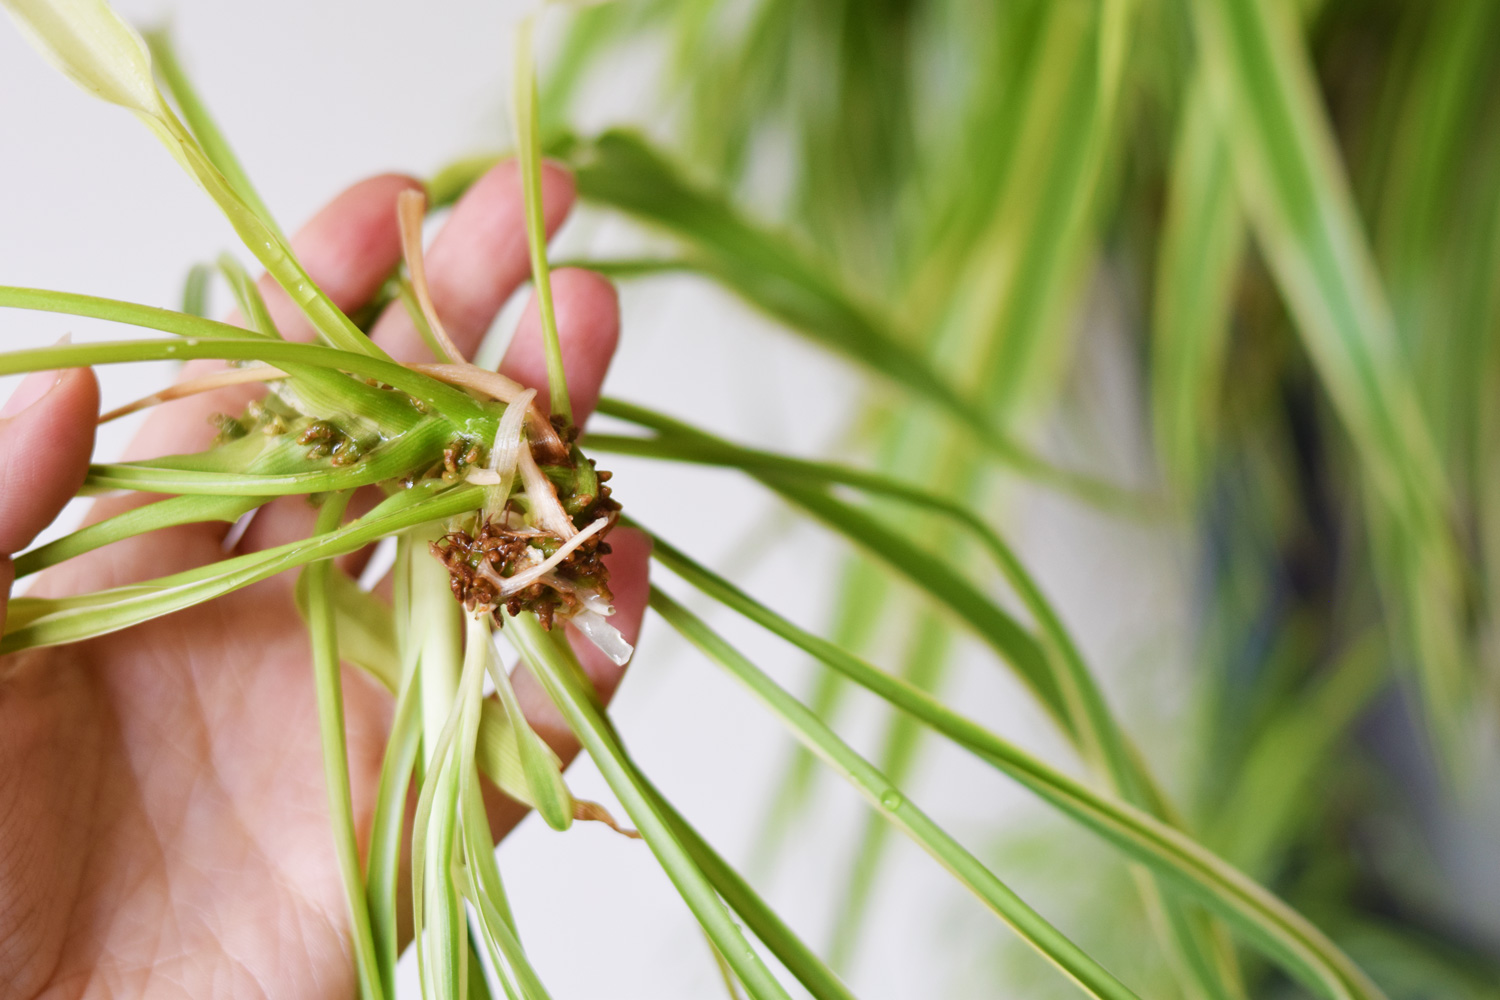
<point x="503" y="551"/>
<point x="497" y="549"/>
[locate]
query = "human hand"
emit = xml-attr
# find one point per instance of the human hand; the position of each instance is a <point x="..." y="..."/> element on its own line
<point x="163" y="818"/>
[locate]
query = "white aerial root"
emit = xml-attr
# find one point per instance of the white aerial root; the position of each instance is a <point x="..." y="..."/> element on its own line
<point x="506" y="451"/>
<point x="593" y="601"/>
<point x="193" y="386"/>
<point x="592" y="621"/>
<point x="604" y="635"/>
<point x="504" y="454"/>
<point x="546" y="509"/>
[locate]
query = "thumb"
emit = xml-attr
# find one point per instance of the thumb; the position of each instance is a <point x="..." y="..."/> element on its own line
<point x="46" y="437"/>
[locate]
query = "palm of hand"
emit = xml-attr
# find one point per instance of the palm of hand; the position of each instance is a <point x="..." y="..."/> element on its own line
<point x="163" y="815"/>
<point x="173" y="804"/>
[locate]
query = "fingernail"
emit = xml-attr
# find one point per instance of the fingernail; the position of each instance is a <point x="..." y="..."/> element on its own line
<point x="32" y="388"/>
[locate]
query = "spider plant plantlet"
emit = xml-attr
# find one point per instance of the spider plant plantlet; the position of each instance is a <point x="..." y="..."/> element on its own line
<point x="478" y="482"/>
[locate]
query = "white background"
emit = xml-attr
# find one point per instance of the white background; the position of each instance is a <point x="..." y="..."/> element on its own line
<point x="316" y="95"/>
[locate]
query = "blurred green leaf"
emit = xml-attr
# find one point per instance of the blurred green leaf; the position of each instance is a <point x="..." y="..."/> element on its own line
<point x="1298" y="200"/>
<point x="1199" y="257"/>
<point x="891" y="804"/>
<point x="1297" y="945"/>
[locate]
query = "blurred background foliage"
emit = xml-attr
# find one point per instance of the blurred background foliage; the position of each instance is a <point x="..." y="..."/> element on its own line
<point x="1297" y="207"/>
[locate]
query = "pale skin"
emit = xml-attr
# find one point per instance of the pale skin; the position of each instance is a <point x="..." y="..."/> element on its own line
<point x="163" y="816"/>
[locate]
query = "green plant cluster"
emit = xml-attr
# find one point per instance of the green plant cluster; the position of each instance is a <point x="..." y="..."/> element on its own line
<point x="1278" y="184"/>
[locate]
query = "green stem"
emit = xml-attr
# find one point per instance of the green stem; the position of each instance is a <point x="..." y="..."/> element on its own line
<point x="395" y="779"/>
<point x="209" y="339"/>
<point x="1282" y="932"/>
<point x="263" y="239"/>
<point x="524" y="105"/>
<point x="320" y="392"/>
<point x="891" y="804"/>
<point x="800" y="960"/>
<point x="195" y="290"/>
<point x="1063" y="675"/>
<point x="136" y="521"/>
<point x="926" y="661"/>
<point x="385" y="832"/>
<point x="327" y="682"/>
<point x="205" y="129"/>
<point x="481" y="878"/>
<point x="247" y="297"/>
<point x="52" y="621"/>
<point x="402" y="456"/>
<point x="553" y="664"/>
<point x="438" y="918"/>
<point x="1103" y="743"/>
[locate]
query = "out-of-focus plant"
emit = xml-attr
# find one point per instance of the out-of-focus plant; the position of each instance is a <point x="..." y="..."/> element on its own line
<point x="1296" y="207"/>
<point x="960" y="175"/>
